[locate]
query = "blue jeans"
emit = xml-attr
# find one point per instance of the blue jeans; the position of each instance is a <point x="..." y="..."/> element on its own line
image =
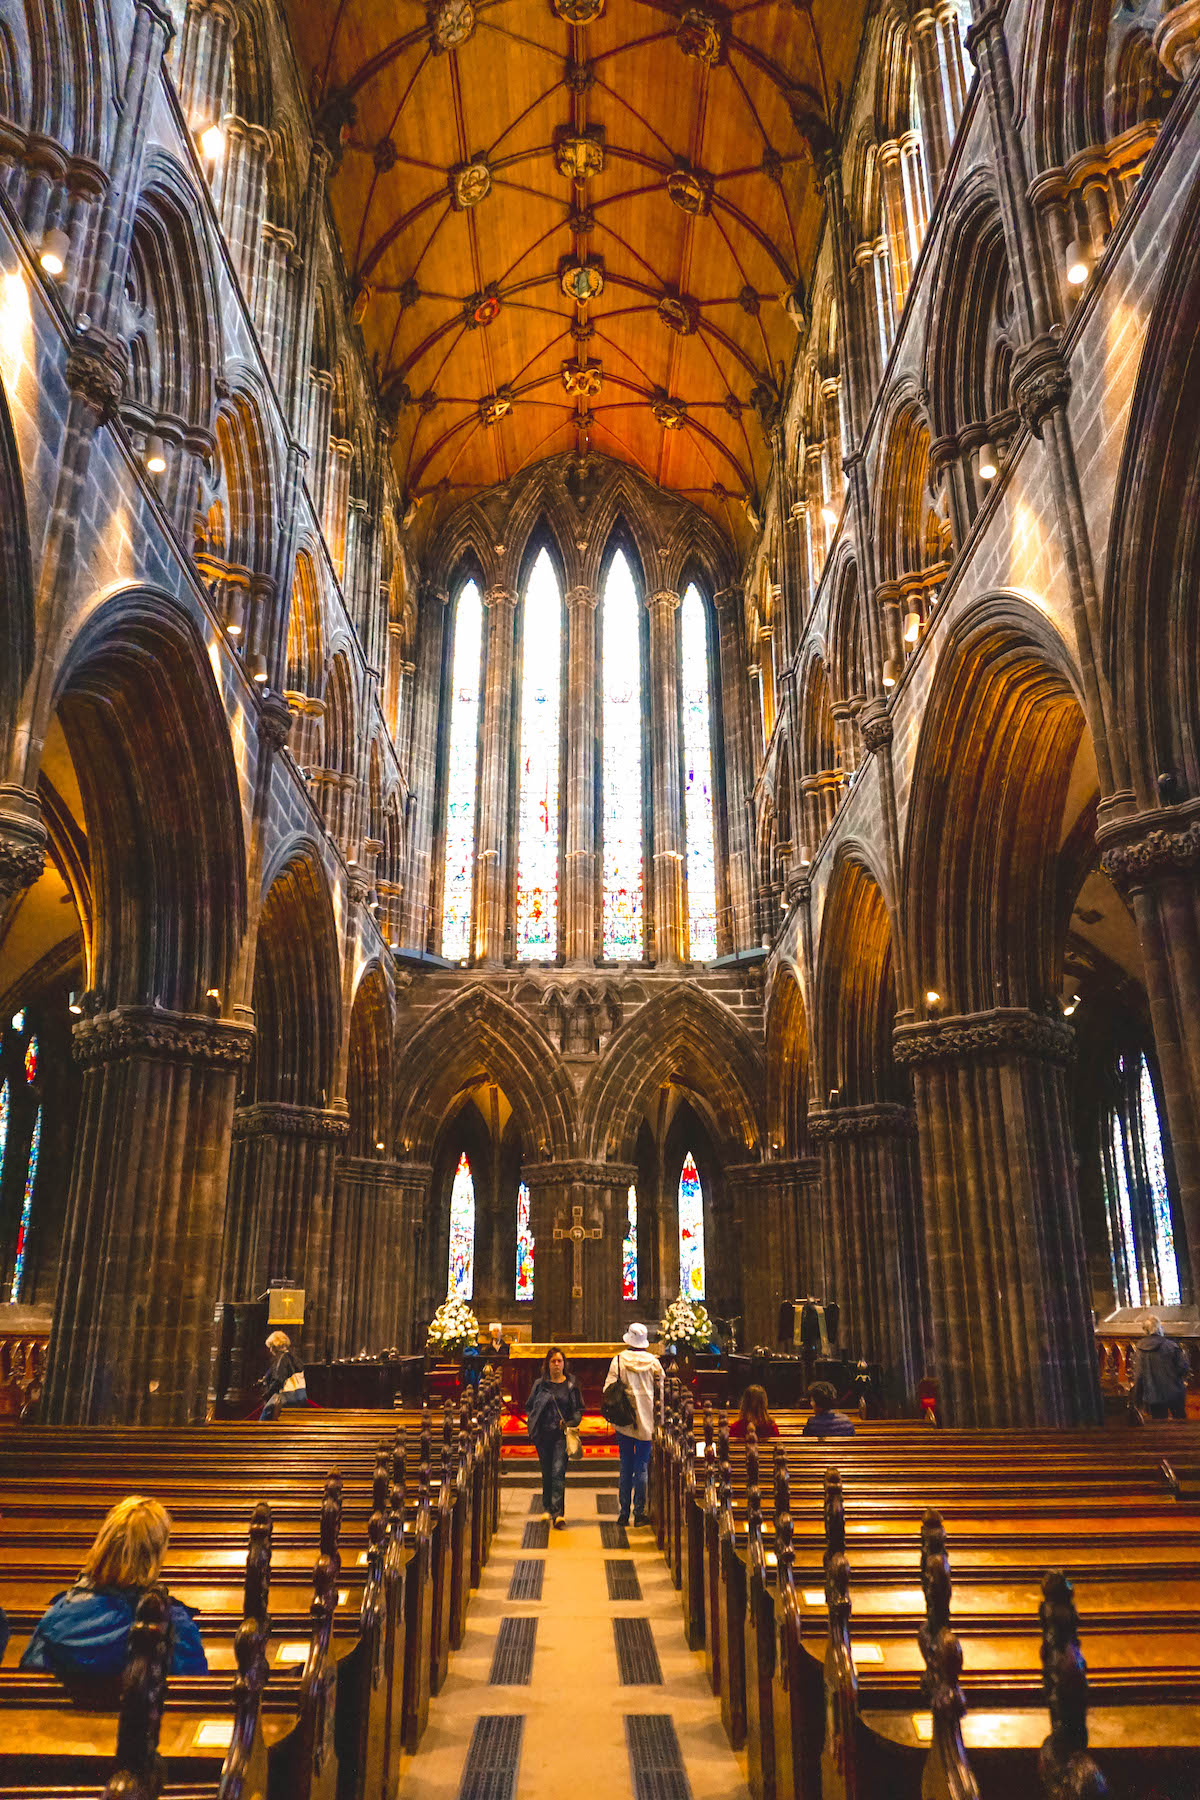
<point x="635" y="1471"/>
<point x="552" y="1455"/>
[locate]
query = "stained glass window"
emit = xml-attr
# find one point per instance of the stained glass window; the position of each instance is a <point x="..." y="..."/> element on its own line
<point x="622" y="762"/>
<point x="698" y="787"/>
<point x="18" y="1020"/>
<point x="537" y="840"/>
<point x="32" y="1058"/>
<point x="460" y="775"/>
<point x="691" y="1231"/>
<point x="629" y="1260"/>
<point x="35" y="1146"/>
<point x="525" y="1246"/>
<point x="461" y="1280"/>
<point x="4" y="1110"/>
<point x="1136" y="1195"/>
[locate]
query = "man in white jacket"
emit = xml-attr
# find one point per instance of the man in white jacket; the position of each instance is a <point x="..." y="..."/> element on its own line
<point x="643" y="1376"/>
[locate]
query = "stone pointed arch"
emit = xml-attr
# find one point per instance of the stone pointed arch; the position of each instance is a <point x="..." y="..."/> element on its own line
<point x="370" y="1070"/>
<point x="787" y="1063"/>
<point x="999" y="737"/>
<point x="688" y="1039"/>
<point x="16" y="582"/>
<point x="856" y="983"/>
<point x="483" y="1036"/>
<point x="297" y="981"/>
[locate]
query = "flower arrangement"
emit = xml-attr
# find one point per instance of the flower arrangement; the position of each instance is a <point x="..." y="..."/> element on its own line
<point x="453" y="1325"/>
<point x="687" y="1322"/>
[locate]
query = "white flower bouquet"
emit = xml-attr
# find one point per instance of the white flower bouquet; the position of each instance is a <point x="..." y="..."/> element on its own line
<point x="453" y="1325"/>
<point x="687" y="1323"/>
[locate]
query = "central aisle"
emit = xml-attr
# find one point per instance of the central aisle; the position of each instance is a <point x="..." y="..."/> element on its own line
<point x="554" y="1720"/>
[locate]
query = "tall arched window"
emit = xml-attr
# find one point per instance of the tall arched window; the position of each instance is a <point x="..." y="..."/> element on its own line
<point x="629" y="1251"/>
<point x="460" y="1280"/>
<point x="525" y="1246"/>
<point x="20" y="1132"/>
<point x="699" y="817"/>
<point x="622" y="728"/>
<point x="537" y="827"/>
<point x="1137" y="1199"/>
<point x="691" y="1231"/>
<point x="461" y="774"/>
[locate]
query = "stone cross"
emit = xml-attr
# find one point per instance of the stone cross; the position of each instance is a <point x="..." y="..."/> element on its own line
<point x="578" y="1231"/>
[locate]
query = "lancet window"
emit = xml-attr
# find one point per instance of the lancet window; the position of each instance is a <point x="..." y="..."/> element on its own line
<point x="1136" y="1193"/>
<point x="461" y="1277"/>
<point x="691" y="1230"/>
<point x="537" y="826"/>
<point x="461" y="774"/>
<point x="525" y="1246"/>
<point x="629" y="1250"/>
<point x="699" y="816"/>
<point x="623" y="910"/>
<point x="20" y="1135"/>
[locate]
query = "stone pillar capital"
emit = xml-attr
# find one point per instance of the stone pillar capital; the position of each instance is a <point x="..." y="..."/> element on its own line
<point x="875" y="724"/>
<point x="280" y="1118"/>
<point x="22" y="841"/>
<point x="663" y="597"/>
<point x="1140" y="851"/>
<point x="1041" y="381"/>
<point x="876" y="1119"/>
<point x="581" y="596"/>
<point x="498" y="596"/>
<point x="967" y="1037"/>
<point x="151" y="1031"/>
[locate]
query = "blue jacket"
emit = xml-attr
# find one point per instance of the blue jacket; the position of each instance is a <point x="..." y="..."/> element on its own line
<point x="84" y="1635"/>
<point x="543" y="1416"/>
<point x="829" y="1424"/>
<point x="1162" y="1371"/>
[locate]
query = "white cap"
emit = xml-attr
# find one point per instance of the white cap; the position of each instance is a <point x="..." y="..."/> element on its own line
<point x="495" y="1325"/>
<point x="636" y="1338"/>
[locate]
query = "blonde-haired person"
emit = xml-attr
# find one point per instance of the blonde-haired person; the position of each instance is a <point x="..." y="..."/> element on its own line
<point x="279" y="1384"/>
<point x="83" y="1635"/>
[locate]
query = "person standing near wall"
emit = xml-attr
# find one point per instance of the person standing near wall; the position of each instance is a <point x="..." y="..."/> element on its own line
<point x="643" y="1376"/>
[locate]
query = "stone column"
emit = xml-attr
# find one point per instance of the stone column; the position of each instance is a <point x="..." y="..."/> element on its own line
<point x="666" y="760"/>
<point x="337" y="501"/>
<point x="739" y="766"/>
<point x="372" y="1269"/>
<point x="240" y="196"/>
<point x="1177" y="39"/>
<point x="138" y="1276"/>
<point x="422" y="773"/>
<point x="1011" y="1316"/>
<point x="579" y="936"/>
<point x="491" y="880"/>
<point x="1153" y="859"/>
<point x="277" y="260"/>
<point x="601" y="1192"/>
<point x="300" y="326"/>
<point x="895" y="222"/>
<point x="872" y="1236"/>
<point x="317" y="428"/>
<point x="281" y="1206"/>
<point x="204" y="61"/>
<point x="765" y="1197"/>
<point x="936" y="128"/>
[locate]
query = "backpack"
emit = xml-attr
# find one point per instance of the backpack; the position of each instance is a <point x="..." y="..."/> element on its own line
<point x="616" y="1404"/>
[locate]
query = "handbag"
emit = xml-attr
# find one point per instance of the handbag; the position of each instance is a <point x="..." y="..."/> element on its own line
<point x="616" y="1404"/>
<point x="294" y="1391"/>
<point x="574" y="1443"/>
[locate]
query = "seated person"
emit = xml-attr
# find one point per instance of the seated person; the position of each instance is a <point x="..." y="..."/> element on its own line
<point x="754" y="1412"/>
<point x="496" y="1349"/>
<point x="826" y="1421"/>
<point x="83" y="1636"/>
<point x="283" y="1384"/>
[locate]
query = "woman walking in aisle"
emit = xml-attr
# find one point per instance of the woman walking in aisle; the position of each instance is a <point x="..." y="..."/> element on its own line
<point x="554" y="1408"/>
<point x="643" y="1376"/>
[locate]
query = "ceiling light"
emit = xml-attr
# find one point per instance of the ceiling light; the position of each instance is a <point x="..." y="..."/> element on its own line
<point x="912" y="627"/>
<point x="1079" y="263"/>
<point x="989" y="468"/>
<point x="56" y="247"/>
<point x="889" y="674"/>
<point x="155" y="455"/>
<point x="212" y="143"/>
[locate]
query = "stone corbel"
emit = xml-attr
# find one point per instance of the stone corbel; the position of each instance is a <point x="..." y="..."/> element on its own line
<point x="22" y="841"/>
<point x="1177" y="39"/>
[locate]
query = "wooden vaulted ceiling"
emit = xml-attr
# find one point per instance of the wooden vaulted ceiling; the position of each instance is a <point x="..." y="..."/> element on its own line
<point x="579" y="224"/>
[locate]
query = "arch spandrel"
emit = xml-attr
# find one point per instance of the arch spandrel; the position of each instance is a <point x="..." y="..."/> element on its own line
<point x="687" y="1039"/>
<point x="481" y="1034"/>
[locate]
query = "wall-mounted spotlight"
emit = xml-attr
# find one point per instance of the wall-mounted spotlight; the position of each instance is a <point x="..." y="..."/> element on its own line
<point x="1070" y="1006"/>
<point x="75" y="1003"/>
<point x="1079" y="262"/>
<point x="256" y="668"/>
<point x="212" y="143"/>
<point x="235" y="614"/>
<point x="155" y="455"/>
<point x="829" y="514"/>
<point x="889" y="673"/>
<point x="56" y="247"/>
<point x="912" y="627"/>
<point x="933" y="1002"/>
<point x="212" y="1003"/>
<point x="989" y="466"/>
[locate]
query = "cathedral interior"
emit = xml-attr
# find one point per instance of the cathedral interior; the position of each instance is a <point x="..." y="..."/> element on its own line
<point x="600" y="623"/>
